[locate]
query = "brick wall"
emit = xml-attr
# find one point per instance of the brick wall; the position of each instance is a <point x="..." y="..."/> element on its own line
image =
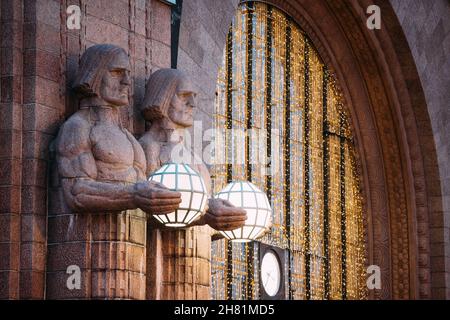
<point x="39" y="58"/>
<point x="10" y="146"/>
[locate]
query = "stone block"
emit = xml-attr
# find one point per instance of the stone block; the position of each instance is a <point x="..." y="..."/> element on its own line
<point x="34" y="172"/>
<point x="112" y="11"/>
<point x="68" y="227"/>
<point x="9" y="256"/>
<point x="202" y="292"/>
<point x="11" y="89"/>
<point x="9" y="227"/>
<point x="11" y="116"/>
<point x="138" y="229"/>
<point x="136" y="286"/>
<point x="160" y="55"/>
<point x="32" y="284"/>
<point x="10" y="171"/>
<point x="35" y="145"/>
<point x="62" y="255"/>
<point x="33" y="228"/>
<point x="43" y="91"/>
<point x="439" y="279"/>
<point x="41" y="118"/>
<point x="42" y="36"/>
<point x="139" y="45"/>
<point x="12" y="34"/>
<point x="438" y="264"/>
<point x="161" y="18"/>
<point x="56" y="203"/>
<point x="100" y="31"/>
<point x="33" y="256"/>
<point x="10" y="199"/>
<point x="10" y="62"/>
<point x="8" y="284"/>
<point x="110" y="284"/>
<point x="203" y="272"/>
<point x="34" y="200"/>
<point x="56" y="286"/>
<point x="47" y="11"/>
<point x="140" y="22"/>
<point x="43" y="64"/>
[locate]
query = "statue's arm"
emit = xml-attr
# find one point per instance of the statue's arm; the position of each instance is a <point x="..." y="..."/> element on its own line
<point x="220" y="214"/>
<point x="78" y="172"/>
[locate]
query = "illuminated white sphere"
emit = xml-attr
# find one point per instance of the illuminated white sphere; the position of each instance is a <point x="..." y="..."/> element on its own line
<point x="182" y="178"/>
<point x="247" y="196"/>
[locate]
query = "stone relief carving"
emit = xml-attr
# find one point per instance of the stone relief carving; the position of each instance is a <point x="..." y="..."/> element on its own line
<point x="101" y="165"/>
<point x="169" y="105"/>
<point x="102" y="175"/>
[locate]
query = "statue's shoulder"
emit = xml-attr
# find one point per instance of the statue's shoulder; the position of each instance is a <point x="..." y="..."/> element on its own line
<point x="79" y="122"/>
<point x="74" y="133"/>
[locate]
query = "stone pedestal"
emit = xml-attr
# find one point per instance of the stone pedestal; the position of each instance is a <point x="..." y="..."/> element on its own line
<point x="180" y="265"/>
<point x="108" y="248"/>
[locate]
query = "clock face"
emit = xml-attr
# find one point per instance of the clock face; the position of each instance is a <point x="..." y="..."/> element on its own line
<point x="270" y="274"/>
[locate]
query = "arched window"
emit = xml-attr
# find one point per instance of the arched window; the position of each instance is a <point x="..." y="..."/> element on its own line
<point x="286" y="130"/>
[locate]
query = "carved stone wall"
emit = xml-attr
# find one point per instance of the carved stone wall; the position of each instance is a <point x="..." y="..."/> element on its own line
<point x="39" y="58"/>
<point x="395" y="81"/>
<point x="426" y="26"/>
<point x="382" y="82"/>
<point x="184" y="268"/>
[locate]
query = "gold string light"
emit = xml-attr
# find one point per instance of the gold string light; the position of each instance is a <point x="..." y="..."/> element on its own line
<point x="346" y="271"/>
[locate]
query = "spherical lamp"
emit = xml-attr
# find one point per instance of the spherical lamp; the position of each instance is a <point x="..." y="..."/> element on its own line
<point x="247" y="196"/>
<point x="182" y="178"/>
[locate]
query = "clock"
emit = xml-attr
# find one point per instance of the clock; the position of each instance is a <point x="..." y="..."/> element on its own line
<point x="272" y="275"/>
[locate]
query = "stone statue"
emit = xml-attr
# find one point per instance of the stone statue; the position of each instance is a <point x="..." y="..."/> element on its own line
<point x="101" y="164"/>
<point x="101" y="167"/>
<point x="169" y="106"/>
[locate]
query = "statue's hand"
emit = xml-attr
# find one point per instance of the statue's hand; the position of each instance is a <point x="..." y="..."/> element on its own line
<point x="222" y="215"/>
<point x="155" y="198"/>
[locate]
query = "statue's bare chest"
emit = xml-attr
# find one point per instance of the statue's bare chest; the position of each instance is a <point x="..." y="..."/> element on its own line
<point x="111" y="145"/>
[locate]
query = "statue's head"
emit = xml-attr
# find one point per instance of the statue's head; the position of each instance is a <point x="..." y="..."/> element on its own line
<point x="104" y="74"/>
<point x="169" y="95"/>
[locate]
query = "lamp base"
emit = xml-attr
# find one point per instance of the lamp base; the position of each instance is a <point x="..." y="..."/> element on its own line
<point x="240" y="240"/>
<point x="176" y="225"/>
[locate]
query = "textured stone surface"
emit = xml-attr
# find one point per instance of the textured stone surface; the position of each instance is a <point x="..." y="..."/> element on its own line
<point x="38" y="60"/>
<point x="203" y="30"/>
<point x="426" y="26"/>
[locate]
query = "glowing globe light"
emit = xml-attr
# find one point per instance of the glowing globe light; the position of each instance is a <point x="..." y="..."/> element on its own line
<point x="182" y="178"/>
<point x="247" y="196"/>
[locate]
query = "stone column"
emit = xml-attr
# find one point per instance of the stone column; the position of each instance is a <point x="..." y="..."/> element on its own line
<point x="181" y="267"/>
<point x="10" y="145"/>
<point x="109" y="248"/>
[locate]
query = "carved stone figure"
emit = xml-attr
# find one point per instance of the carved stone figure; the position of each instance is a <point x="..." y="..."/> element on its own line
<point x="169" y="106"/>
<point x="100" y="163"/>
<point x="101" y="169"/>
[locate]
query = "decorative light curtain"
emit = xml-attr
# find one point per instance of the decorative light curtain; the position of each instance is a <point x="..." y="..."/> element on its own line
<point x="281" y="124"/>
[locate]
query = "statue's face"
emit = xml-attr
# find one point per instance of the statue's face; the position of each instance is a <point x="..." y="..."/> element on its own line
<point x="181" y="109"/>
<point x="115" y="85"/>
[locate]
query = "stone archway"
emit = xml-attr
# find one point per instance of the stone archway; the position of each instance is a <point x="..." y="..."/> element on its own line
<point x="383" y="91"/>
